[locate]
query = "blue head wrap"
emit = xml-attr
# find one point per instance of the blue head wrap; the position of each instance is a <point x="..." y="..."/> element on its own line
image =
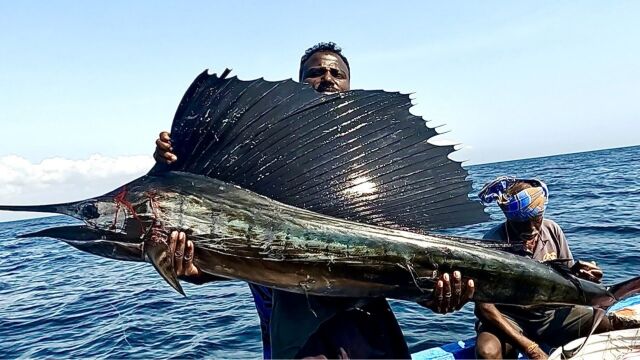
<point x="526" y="204"/>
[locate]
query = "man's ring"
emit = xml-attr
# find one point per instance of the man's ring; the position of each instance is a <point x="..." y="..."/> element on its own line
<point x="188" y="258"/>
<point x="447" y="295"/>
<point x="178" y="254"/>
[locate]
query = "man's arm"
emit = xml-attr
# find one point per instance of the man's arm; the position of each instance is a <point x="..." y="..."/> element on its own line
<point x="582" y="269"/>
<point x="489" y="314"/>
<point x="180" y="247"/>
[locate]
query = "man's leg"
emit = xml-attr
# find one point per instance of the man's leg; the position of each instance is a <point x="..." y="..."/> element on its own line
<point x="497" y="333"/>
<point x="490" y="344"/>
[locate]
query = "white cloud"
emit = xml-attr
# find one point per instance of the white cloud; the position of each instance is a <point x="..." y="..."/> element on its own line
<point x="60" y="180"/>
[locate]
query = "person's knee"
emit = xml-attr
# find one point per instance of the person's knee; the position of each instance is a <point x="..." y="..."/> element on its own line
<point x="488" y="349"/>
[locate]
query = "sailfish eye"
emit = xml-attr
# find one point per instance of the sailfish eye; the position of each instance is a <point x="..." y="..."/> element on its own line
<point x="89" y="212"/>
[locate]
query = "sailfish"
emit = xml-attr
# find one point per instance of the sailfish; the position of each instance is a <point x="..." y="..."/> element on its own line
<point x="321" y="194"/>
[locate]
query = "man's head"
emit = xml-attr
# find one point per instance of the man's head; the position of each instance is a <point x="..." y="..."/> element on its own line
<point x="523" y="202"/>
<point x="525" y="228"/>
<point x="325" y="68"/>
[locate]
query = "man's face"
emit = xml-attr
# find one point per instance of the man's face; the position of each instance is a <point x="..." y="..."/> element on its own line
<point x="527" y="230"/>
<point x="326" y="72"/>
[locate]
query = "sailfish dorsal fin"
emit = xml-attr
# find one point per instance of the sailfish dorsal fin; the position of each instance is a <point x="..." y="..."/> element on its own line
<point x="358" y="155"/>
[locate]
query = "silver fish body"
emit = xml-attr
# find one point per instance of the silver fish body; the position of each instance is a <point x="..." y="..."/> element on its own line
<point x="242" y="235"/>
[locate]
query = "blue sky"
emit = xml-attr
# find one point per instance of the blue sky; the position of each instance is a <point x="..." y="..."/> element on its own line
<point x="510" y="79"/>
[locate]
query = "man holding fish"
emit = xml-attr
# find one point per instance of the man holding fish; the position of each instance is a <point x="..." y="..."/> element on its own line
<point x="295" y="325"/>
<point x="504" y="328"/>
<point x="314" y="190"/>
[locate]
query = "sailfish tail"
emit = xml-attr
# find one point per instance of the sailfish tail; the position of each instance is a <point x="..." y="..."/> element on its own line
<point x="619" y="291"/>
<point x="625" y="288"/>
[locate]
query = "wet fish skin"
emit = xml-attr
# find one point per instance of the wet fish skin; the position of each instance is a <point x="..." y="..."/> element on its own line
<point x="297" y="250"/>
<point x="239" y="234"/>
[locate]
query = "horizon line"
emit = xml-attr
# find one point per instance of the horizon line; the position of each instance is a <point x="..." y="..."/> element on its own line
<point x="552" y="155"/>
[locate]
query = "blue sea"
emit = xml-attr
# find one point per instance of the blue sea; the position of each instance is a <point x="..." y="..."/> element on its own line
<point x="56" y="301"/>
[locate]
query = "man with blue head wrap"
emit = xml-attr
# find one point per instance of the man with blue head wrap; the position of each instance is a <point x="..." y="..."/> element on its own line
<point x="517" y="205"/>
<point x="503" y="329"/>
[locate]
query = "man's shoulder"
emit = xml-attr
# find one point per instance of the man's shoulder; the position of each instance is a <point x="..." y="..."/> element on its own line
<point x="550" y="224"/>
<point x="496" y="233"/>
<point x="554" y="229"/>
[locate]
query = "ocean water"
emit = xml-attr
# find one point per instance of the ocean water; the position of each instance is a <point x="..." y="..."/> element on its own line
<point x="56" y="301"/>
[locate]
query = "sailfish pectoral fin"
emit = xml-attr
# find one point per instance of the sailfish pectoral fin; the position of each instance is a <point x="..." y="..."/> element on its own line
<point x="161" y="257"/>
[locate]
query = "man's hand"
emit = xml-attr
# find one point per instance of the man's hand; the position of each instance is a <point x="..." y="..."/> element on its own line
<point x="449" y="296"/>
<point x="587" y="270"/>
<point x="182" y="251"/>
<point x="164" y="150"/>
<point x="534" y="352"/>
